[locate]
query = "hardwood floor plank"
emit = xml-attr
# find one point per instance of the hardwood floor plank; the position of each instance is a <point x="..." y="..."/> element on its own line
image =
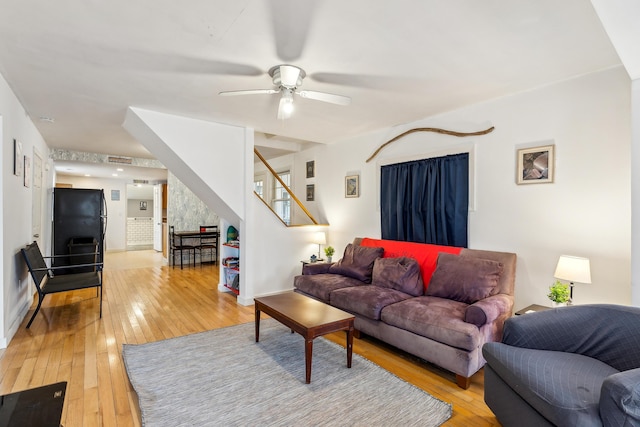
<point x="105" y="391"/>
<point x="143" y="301"/>
<point x="91" y="408"/>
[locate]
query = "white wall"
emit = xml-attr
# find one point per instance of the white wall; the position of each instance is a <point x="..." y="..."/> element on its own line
<point x="586" y="212"/>
<point x="635" y="197"/>
<point x="204" y="155"/>
<point x="15" y="214"/>
<point x="277" y="251"/>
<point x="116" y="236"/>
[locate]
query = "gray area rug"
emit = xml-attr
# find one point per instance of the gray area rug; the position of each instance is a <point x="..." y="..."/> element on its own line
<point x="224" y="378"/>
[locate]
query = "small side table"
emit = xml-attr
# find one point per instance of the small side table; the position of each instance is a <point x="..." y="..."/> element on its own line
<point x="308" y="261"/>
<point x="533" y="308"/>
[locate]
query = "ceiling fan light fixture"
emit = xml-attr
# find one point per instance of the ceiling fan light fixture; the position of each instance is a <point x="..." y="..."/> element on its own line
<point x="285" y="107"/>
<point x="288" y="76"/>
<point x="287" y="79"/>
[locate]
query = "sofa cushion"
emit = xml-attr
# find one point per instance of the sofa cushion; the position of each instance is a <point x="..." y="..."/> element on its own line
<point x="436" y="318"/>
<point x="620" y="399"/>
<point x="320" y="286"/>
<point x="464" y="279"/>
<point x="367" y="301"/>
<point x="562" y="387"/>
<point x="402" y="274"/>
<point x="357" y="262"/>
<point x="425" y="253"/>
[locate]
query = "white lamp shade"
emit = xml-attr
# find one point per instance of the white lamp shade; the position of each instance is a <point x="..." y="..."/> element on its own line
<point x="285" y="107"/>
<point x="320" y="238"/>
<point x="573" y="269"/>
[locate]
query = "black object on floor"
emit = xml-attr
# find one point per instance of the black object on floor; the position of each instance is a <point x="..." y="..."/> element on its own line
<point x="36" y="407"/>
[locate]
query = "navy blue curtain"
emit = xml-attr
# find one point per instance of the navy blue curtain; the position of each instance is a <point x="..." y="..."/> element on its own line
<point x="426" y="201"/>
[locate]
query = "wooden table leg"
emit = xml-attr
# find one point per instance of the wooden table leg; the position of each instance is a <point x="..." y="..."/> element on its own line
<point x="349" y="346"/>
<point x="308" y="351"/>
<point x="257" y="325"/>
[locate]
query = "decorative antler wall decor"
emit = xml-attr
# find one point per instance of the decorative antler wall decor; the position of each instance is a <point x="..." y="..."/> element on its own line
<point x="436" y="130"/>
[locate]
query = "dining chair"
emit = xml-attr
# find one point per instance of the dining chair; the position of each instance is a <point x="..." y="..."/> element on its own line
<point x="209" y="242"/>
<point x="177" y="245"/>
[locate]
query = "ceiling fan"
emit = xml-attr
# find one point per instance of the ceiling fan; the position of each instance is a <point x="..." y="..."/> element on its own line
<point x="287" y="79"/>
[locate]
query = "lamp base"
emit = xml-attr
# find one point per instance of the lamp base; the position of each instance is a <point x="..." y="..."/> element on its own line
<point x="570" y="294"/>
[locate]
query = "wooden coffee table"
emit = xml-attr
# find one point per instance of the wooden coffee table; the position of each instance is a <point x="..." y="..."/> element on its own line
<point x="309" y="318"/>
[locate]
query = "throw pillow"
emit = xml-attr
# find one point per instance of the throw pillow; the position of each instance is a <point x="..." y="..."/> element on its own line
<point x="475" y="315"/>
<point x="426" y="254"/>
<point x="402" y="274"/>
<point x="357" y="262"/>
<point x="464" y="278"/>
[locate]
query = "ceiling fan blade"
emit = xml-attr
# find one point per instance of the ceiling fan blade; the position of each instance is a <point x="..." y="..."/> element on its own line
<point x="248" y="92"/>
<point x="291" y="22"/>
<point x="157" y="61"/>
<point x="366" y="81"/>
<point x="325" y="97"/>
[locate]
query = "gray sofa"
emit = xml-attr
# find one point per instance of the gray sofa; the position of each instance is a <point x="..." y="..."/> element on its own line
<point x="468" y="298"/>
<point x="573" y="366"/>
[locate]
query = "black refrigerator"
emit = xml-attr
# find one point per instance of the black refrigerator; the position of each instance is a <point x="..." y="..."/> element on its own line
<point x="79" y="226"/>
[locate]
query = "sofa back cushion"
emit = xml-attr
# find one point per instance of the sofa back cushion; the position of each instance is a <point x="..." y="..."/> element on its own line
<point x="506" y="284"/>
<point x="402" y="274"/>
<point x="357" y="262"/>
<point x="464" y="278"/>
<point x="425" y="254"/>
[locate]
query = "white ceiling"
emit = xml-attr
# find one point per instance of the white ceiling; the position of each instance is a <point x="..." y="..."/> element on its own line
<point x="109" y="171"/>
<point x="83" y="62"/>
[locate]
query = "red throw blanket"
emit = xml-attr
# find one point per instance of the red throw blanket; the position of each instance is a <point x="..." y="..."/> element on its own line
<point x="426" y="254"/>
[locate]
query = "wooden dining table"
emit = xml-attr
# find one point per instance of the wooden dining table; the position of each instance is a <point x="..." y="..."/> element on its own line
<point x="185" y="236"/>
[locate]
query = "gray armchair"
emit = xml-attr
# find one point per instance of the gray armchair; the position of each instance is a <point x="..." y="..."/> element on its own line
<point x="573" y="366"/>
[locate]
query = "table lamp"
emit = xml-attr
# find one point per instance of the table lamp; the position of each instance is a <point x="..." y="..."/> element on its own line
<point x="321" y="239"/>
<point x="573" y="269"/>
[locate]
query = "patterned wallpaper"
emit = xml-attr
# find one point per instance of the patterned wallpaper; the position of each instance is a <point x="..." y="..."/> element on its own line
<point x="185" y="211"/>
<point x="61" y="154"/>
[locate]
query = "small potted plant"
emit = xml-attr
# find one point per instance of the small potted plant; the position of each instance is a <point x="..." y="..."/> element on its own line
<point x="559" y="294"/>
<point x="329" y="251"/>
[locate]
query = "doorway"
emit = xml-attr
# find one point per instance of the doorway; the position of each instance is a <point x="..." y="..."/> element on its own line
<point x="139" y="224"/>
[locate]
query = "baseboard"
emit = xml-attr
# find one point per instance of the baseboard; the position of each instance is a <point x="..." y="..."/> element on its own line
<point x="245" y="301"/>
<point x="13" y="329"/>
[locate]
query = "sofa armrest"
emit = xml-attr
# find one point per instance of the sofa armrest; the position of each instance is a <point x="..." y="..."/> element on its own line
<point x="316" y="268"/>
<point x="620" y="399"/>
<point x="605" y="332"/>
<point x="489" y="310"/>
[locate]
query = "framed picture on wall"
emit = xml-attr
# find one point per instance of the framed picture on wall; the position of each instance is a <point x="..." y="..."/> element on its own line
<point x="311" y="169"/>
<point x="535" y="165"/>
<point x="311" y="192"/>
<point x="352" y="186"/>
<point x="27" y="171"/>
<point x="17" y="158"/>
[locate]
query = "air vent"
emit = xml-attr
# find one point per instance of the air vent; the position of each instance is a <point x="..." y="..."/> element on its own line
<point x="140" y="181"/>
<point x="120" y="160"/>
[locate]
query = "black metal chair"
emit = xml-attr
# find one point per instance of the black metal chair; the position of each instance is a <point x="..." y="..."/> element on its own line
<point x="177" y="245"/>
<point x="209" y="242"/>
<point x="47" y="282"/>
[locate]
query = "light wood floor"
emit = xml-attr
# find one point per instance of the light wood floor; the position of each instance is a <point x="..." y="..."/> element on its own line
<point x="146" y="301"/>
